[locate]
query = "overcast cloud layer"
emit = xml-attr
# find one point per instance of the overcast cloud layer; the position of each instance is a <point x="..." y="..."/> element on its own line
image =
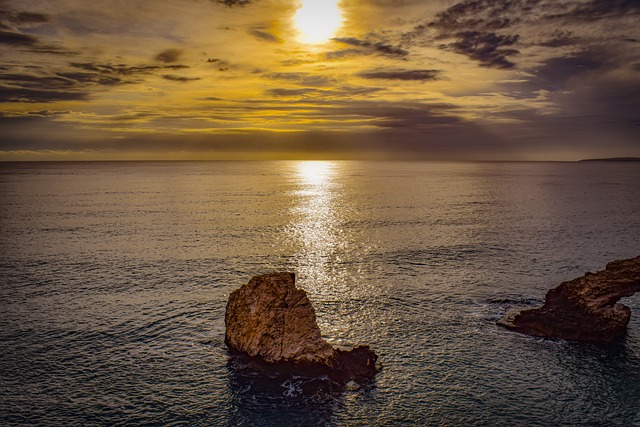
<point x="207" y="79"/>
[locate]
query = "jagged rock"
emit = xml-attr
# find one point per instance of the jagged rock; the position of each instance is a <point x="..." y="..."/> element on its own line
<point x="272" y="321"/>
<point x="583" y="309"/>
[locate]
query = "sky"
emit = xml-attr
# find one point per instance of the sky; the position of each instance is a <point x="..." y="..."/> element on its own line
<point x="319" y="79"/>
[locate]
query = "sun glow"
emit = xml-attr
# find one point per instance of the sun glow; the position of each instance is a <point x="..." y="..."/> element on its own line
<point x="318" y="20"/>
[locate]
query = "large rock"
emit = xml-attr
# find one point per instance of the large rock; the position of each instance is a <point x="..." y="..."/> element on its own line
<point x="272" y="321"/>
<point x="583" y="309"/>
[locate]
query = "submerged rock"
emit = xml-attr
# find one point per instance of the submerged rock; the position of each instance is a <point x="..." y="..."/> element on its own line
<point x="583" y="309"/>
<point x="274" y="322"/>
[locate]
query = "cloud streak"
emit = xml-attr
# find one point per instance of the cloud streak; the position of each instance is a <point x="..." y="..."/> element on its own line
<point x="368" y="47"/>
<point x="406" y="75"/>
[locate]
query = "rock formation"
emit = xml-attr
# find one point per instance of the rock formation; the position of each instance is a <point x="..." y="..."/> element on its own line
<point x="274" y="322"/>
<point x="583" y="309"/>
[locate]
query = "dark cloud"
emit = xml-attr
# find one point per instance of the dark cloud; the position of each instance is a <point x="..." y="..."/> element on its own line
<point x="374" y="47"/>
<point x="281" y="92"/>
<point x="594" y="103"/>
<point x="474" y="27"/>
<point x="303" y="79"/>
<point x="124" y="69"/>
<point x="36" y="81"/>
<point x="92" y="78"/>
<point x="13" y="94"/>
<point x="487" y="30"/>
<point x="222" y="65"/>
<point x="266" y="36"/>
<point x="30" y="43"/>
<point x="11" y="19"/>
<point x="169" y="55"/>
<point x="345" y="53"/>
<point x="182" y="79"/>
<point x="31" y="18"/>
<point x="233" y="3"/>
<point x="554" y="73"/>
<point x="560" y="38"/>
<point x="595" y="10"/>
<point x="77" y="82"/>
<point x="404" y="115"/>
<point x="44" y="86"/>
<point x="489" y="49"/>
<point x="480" y="15"/>
<point x="12" y="38"/>
<point x="418" y="75"/>
<point x="481" y="29"/>
<point x="11" y="34"/>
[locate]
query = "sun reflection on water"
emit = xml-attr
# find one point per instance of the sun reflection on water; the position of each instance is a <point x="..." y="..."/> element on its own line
<point x="316" y="226"/>
<point x="315" y="173"/>
<point x="329" y="257"/>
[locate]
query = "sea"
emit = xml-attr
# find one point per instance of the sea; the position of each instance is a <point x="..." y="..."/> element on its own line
<point x="114" y="278"/>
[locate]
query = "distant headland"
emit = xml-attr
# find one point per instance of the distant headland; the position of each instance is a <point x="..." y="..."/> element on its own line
<point x="614" y="159"/>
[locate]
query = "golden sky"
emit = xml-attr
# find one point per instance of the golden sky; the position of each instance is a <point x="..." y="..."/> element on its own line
<point x="371" y="79"/>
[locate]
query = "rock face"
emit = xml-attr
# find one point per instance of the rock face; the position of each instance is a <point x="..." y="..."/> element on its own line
<point x="272" y="321"/>
<point x="583" y="309"/>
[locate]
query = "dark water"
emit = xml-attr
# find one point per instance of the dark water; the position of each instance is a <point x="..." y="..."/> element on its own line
<point x="114" y="279"/>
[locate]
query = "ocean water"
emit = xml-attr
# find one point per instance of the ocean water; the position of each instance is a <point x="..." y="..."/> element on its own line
<point x="114" y="279"/>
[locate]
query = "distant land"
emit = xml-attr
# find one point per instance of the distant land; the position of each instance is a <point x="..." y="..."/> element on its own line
<point x="614" y="159"/>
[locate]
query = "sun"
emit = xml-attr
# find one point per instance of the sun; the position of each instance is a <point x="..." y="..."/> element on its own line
<point x="318" y="20"/>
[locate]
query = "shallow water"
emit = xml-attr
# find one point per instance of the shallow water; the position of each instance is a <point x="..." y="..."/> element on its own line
<point x="114" y="279"/>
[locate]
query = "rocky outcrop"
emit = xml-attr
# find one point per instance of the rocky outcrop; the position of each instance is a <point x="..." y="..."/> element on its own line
<point x="583" y="309"/>
<point x="272" y="321"/>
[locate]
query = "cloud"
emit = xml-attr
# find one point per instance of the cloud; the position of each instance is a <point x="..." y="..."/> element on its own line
<point x="281" y="92"/>
<point x="91" y="78"/>
<point x="31" y="18"/>
<point x="17" y="39"/>
<point x="560" y="38"/>
<point x="405" y="115"/>
<point x="124" y="69"/>
<point x="13" y="23"/>
<point x="376" y="48"/>
<point x="344" y="53"/>
<point x="303" y="79"/>
<point x="233" y="3"/>
<point x="407" y="75"/>
<point x="222" y="65"/>
<point x="75" y="81"/>
<point x="596" y="10"/>
<point x="21" y="94"/>
<point x="44" y="86"/>
<point x="182" y="79"/>
<point x="10" y="19"/>
<point x="481" y="15"/>
<point x="486" y="48"/>
<point x="482" y="28"/>
<point x="266" y="36"/>
<point x="169" y="55"/>
<point x="555" y="73"/>
<point x="29" y="43"/>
